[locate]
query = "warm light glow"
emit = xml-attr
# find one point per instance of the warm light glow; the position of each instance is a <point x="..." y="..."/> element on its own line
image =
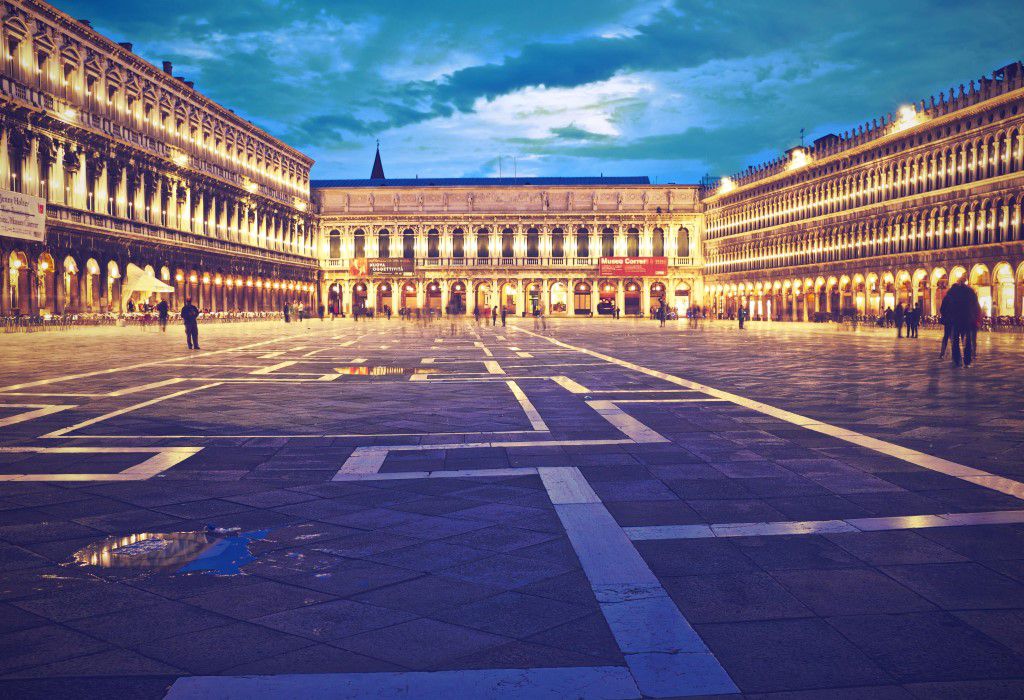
<point x="179" y="277"/>
<point x="798" y="158"/>
<point x="907" y="117"/>
<point x="726" y="185"/>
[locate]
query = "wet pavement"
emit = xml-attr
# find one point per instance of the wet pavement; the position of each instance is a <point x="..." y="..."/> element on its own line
<point x="598" y="509"/>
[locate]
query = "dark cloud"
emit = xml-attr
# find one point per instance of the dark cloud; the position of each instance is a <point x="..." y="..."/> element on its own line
<point x="329" y="76"/>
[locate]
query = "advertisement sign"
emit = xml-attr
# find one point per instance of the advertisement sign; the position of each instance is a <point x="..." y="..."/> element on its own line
<point x="22" y="216"/>
<point x="632" y="267"/>
<point x="372" y="267"/>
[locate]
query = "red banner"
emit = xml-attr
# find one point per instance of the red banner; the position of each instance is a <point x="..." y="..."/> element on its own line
<point x="370" y="267"/>
<point x="632" y="267"/>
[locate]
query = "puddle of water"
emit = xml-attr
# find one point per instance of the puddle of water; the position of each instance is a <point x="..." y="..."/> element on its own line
<point x="364" y="371"/>
<point x="222" y="553"/>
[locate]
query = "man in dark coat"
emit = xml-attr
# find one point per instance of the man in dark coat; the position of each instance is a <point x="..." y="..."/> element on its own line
<point x="190" y="316"/>
<point x="164" y="311"/>
<point x="961" y="307"/>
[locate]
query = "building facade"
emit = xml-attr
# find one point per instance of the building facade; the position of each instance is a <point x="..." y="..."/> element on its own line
<point x="136" y="175"/>
<point x="892" y="212"/>
<point x="135" y="167"/>
<point x="563" y="246"/>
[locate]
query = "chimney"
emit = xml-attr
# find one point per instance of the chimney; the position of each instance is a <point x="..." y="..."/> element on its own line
<point x="168" y="67"/>
<point x="126" y="45"/>
<point x="191" y="85"/>
<point x="86" y="23"/>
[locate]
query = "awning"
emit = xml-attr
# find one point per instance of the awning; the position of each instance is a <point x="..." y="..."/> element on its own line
<point x="139" y="280"/>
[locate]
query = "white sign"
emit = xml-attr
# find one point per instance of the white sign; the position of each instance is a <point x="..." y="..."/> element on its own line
<point x="22" y="216"/>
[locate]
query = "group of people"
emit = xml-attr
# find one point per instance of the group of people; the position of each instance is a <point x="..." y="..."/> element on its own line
<point x="493" y="313"/>
<point x="909" y="316"/>
<point x="961" y="318"/>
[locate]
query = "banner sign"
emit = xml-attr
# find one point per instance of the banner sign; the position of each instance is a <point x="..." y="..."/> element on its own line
<point x="632" y="267"/>
<point x="22" y="216"/>
<point x="371" y="267"/>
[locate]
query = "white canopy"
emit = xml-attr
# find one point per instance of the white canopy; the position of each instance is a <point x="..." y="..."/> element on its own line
<point x="139" y="280"/>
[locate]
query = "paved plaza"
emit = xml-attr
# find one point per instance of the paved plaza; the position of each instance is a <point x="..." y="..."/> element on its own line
<point x="595" y="508"/>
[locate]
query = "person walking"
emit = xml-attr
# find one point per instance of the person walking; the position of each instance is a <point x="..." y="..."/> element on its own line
<point x="476" y="314"/>
<point x="287" y="313"/>
<point x="740" y="314"/>
<point x="504" y="312"/>
<point x="494" y="316"/>
<point x="914" y="319"/>
<point x="898" y="317"/>
<point x="163" y="312"/>
<point x="887" y="316"/>
<point x="321" y="311"/>
<point x="190" y="317"/>
<point x="662" y="313"/>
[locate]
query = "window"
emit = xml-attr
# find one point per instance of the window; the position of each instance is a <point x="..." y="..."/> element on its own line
<point x="482" y="237"/>
<point x="633" y="242"/>
<point x="359" y="244"/>
<point x="658" y="243"/>
<point x="384" y="243"/>
<point x="558" y="243"/>
<point x="532" y="243"/>
<point x="408" y="244"/>
<point x="458" y="243"/>
<point x="582" y="243"/>
<point x="433" y="243"/>
<point x="607" y="243"/>
<point x="335" y="244"/>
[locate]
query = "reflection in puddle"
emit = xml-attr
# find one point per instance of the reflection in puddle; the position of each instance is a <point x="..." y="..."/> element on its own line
<point x="220" y="552"/>
<point x="381" y="371"/>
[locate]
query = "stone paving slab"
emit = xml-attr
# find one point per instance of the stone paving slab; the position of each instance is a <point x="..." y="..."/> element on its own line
<point x="451" y="553"/>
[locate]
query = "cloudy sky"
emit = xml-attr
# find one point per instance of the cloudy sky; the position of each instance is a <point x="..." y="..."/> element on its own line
<point x="670" y="89"/>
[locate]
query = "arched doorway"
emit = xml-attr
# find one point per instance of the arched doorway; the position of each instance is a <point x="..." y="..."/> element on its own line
<point x="457" y="298"/>
<point x="606" y="298"/>
<point x="581" y="295"/>
<point x="533" y="300"/>
<point x="482" y="297"/>
<point x="981" y="282"/>
<point x="681" y="299"/>
<point x="18" y="282"/>
<point x="384" y="298"/>
<point x="558" y="298"/>
<point x="1003" y="290"/>
<point x="508" y="297"/>
<point x="631" y="299"/>
<point x="657" y="297"/>
<point x="334" y="299"/>
<point x="359" y="298"/>
<point x="433" y="297"/>
<point x="113" y="299"/>
<point x="71" y="285"/>
<point x="408" y="296"/>
<point x="45" y="289"/>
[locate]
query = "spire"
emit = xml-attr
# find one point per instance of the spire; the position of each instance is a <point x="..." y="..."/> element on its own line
<point x="378" y="169"/>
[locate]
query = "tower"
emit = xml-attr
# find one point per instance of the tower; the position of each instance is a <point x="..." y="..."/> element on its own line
<point x="378" y="169"/>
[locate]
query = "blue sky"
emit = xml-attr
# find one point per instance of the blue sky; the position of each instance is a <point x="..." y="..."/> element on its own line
<point x="669" y="89"/>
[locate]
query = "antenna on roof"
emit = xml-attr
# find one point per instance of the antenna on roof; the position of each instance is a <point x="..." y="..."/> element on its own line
<point x="801" y="137"/>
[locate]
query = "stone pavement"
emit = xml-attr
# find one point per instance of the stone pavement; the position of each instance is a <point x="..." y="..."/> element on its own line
<point x="596" y="509"/>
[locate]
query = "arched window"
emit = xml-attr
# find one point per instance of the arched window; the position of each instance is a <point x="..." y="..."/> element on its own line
<point x="384" y="243"/>
<point x="557" y="243"/>
<point x="683" y="243"/>
<point x="408" y="244"/>
<point x="582" y="243"/>
<point x="658" y="243"/>
<point x="633" y="242"/>
<point x="532" y="243"/>
<point x="335" y="244"/>
<point x="458" y="243"/>
<point x="607" y="243"/>
<point x="482" y="243"/>
<point x="507" y="243"/>
<point x="433" y="243"/>
<point x="359" y="244"/>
